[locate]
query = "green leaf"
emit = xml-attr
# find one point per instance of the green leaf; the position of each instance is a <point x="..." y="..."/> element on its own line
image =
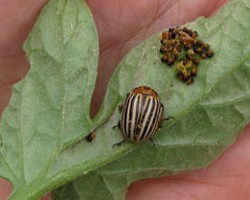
<point x="49" y="109"/>
<point x="209" y="114"/>
<point x="43" y="128"/>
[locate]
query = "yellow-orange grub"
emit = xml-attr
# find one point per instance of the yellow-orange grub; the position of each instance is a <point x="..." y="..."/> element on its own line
<point x="146" y="91"/>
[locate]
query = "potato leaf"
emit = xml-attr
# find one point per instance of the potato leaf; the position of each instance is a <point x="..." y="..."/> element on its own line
<point x="43" y="128"/>
<point x="209" y="114"/>
<point x="49" y="109"/>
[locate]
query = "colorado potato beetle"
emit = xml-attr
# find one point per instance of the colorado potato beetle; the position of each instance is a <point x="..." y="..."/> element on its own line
<point x="142" y="114"/>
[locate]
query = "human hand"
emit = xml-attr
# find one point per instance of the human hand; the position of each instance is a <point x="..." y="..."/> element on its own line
<point x="121" y="25"/>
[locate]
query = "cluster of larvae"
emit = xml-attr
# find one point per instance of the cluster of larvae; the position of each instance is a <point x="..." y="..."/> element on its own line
<point x="182" y="46"/>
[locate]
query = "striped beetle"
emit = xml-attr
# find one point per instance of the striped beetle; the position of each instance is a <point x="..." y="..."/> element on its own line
<point x="142" y="114"/>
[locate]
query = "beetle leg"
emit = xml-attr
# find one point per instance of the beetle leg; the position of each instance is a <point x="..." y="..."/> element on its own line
<point x="152" y="140"/>
<point x="117" y="125"/>
<point x="120" y="107"/>
<point x="118" y="143"/>
<point x="168" y="118"/>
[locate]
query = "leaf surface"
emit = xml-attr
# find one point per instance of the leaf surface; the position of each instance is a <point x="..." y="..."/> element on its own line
<point x="49" y="109"/>
<point x="209" y="114"/>
<point x="43" y="128"/>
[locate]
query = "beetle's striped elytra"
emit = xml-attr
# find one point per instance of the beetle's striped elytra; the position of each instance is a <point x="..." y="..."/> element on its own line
<point x="142" y="113"/>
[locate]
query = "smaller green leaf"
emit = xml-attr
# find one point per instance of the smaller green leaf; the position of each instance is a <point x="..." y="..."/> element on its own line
<point x="49" y="109"/>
